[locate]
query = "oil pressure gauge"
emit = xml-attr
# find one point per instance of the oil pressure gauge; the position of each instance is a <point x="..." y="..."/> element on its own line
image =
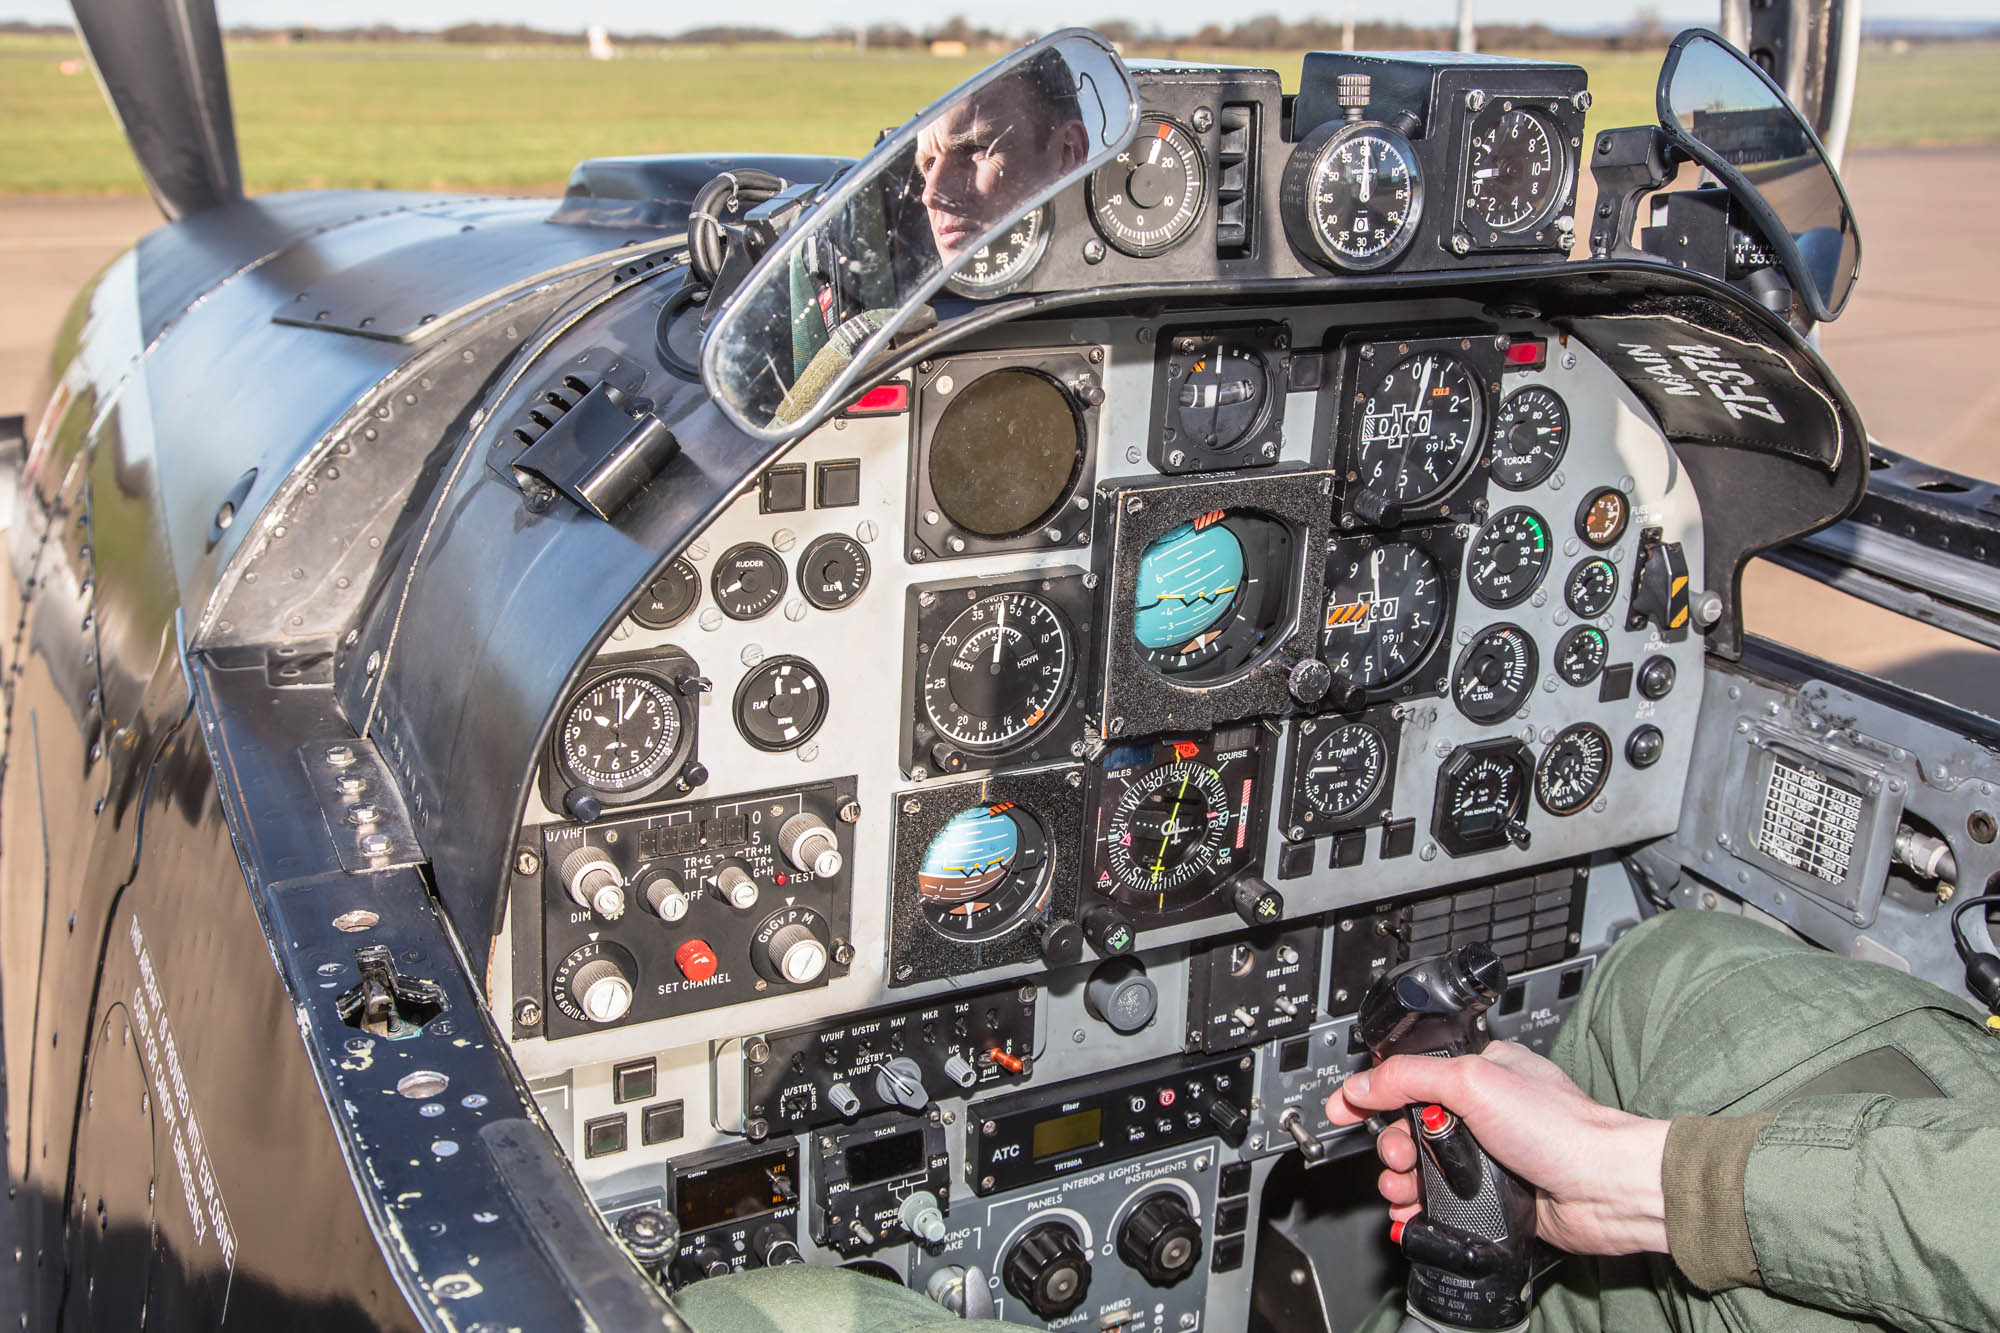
<point x="1148" y="198"/>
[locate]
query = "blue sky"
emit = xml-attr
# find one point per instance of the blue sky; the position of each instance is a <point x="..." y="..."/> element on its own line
<point x="811" y="15"/>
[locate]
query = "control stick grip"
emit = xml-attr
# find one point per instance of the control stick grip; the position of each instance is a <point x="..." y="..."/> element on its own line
<point x="1471" y="1246"/>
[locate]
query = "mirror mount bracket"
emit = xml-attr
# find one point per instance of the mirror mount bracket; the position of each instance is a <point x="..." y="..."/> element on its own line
<point x="746" y="242"/>
<point x="1629" y="164"/>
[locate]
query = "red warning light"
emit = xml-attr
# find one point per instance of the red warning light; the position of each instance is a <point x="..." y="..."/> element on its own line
<point x="1528" y="353"/>
<point x="881" y="401"/>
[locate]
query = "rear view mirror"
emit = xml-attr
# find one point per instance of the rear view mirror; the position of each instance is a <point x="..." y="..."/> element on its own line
<point x="809" y="320"/>
<point x="1727" y="114"/>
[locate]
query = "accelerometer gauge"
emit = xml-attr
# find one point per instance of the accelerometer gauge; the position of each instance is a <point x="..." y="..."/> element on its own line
<point x="1419" y="429"/>
<point x="1508" y="558"/>
<point x="1581" y="654"/>
<point x="1573" y="769"/>
<point x="748" y="580"/>
<point x="1223" y="395"/>
<point x="833" y="571"/>
<point x="1482" y="798"/>
<point x="668" y="598"/>
<point x="1516" y="171"/>
<point x="1384" y="609"/>
<point x="1530" y="433"/>
<point x="983" y="872"/>
<point x="998" y="266"/>
<point x="1352" y="195"/>
<point x="781" y="703"/>
<point x="1146" y="199"/>
<point x="1000" y="669"/>
<point x="1174" y="820"/>
<point x="1340" y="771"/>
<point x="1209" y="596"/>
<point x="1591" y="587"/>
<point x="1602" y="517"/>
<point x="1495" y="674"/>
<point x="621" y="734"/>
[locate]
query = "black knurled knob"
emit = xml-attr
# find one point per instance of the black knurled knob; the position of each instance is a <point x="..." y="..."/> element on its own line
<point x="1048" y="1270"/>
<point x="1161" y="1239"/>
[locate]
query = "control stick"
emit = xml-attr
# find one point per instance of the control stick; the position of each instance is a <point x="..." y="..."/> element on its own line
<point x="1471" y="1245"/>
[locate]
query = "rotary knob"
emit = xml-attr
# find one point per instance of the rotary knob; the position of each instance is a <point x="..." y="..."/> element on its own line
<point x="1048" y="1270"/>
<point x="1161" y="1239"/>
<point x="594" y="882"/>
<point x="793" y="954"/>
<point x="810" y="845"/>
<point x="602" y="990"/>
<point x="900" y="1082"/>
<point x="736" y="886"/>
<point x="649" y="1234"/>
<point x="663" y="895"/>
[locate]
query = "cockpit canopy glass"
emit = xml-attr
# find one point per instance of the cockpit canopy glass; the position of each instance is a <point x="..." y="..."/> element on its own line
<point x="825" y="299"/>
<point x="1736" y="122"/>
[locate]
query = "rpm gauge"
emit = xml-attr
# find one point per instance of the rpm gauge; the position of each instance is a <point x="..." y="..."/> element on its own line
<point x="1573" y="769"/>
<point x="1175" y="821"/>
<point x="1384" y="609"/>
<point x="1515" y="172"/>
<point x="983" y="872"/>
<point x="1000" y="265"/>
<point x="1420" y="427"/>
<point x="1509" y="558"/>
<point x="1352" y="195"/>
<point x="621" y="735"/>
<point x="1530" y="433"/>
<point x="1147" y="199"/>
<point x="1495" y="674"/>
<point x="1000" y="669"/>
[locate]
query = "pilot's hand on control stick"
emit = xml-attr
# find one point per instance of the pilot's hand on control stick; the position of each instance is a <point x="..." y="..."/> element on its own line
<point x="1595" y="1169"/>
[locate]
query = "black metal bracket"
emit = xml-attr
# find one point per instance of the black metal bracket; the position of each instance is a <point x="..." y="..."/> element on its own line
<point x="1629" y="164"/>
<point x="385" y="1002"/>
<point x="598" y="453"/>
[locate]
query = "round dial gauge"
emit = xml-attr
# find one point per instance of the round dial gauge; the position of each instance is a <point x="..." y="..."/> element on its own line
<point x="1530" y="432"/>
<point x="1573" y="769"/>
<point x="621" y="734"/>
<point x="1170" y="821"/>
<point x="833" y="571"/>
<point x="1146" y="199"/>
<point x="1343" y="770"/>
<point x="669" y="598"/>
<point x="747" y="581"/>
<point x="1508" y="558"/>
<point x="983" y="872"/>
<point x="1591" y="587"/>
<point x="1000" y="670"/>
<point x="1221" y="398"/>
<point x="1384" y="609"/>
<point x="1514" y="171"/>
<point x="1602" y="519"/>
<point x="1419" y="428"/>
<point x="1357" y="193"/>
<point x="781" y="703"/>
<point x="1000" y="265"/>
<point x="1483" y="798"/>
<point x="1495" y="674"/>
<point x="1210" y="594"/>
<point x="1581" y="654"/>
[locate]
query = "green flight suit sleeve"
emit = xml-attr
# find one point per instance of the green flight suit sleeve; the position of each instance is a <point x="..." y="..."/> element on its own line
<point x="1880" y="1207"/>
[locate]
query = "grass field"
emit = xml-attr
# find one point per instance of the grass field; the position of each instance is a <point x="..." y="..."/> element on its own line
<point x="518" y="118"/>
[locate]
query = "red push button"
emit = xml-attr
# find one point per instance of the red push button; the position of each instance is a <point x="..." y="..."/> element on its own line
<point x="696" y="960"/>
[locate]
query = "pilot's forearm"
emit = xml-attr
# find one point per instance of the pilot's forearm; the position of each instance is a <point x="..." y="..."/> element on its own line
<point x="1701" y="1176"/>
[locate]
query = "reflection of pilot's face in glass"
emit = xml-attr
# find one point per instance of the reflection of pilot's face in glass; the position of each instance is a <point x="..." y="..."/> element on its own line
<point x="988" y="155"/>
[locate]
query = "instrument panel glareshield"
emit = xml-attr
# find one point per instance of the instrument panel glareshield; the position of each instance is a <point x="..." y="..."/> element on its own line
<point x="980" y="868"/>
<point x="1205" y="581"/>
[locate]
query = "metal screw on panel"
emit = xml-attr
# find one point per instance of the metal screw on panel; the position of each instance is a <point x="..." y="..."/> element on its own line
<point x="1581" y="100"/>
<point x="850" y="811"/>
<point x="988" y="1128"/>
<point x="340" y="756"/>
<point x="843" y="952"/>
<point x="1077" y="1035"/>
<point x="911" y="805"/>
<point x="757" y="1050"/>
<point x="1461" y="243"/>
<point x="375" y="844"/>
<point x="986" y="1182"/>
<point x="1093" y="252"/>
<point x="1476" y="99"/>
<point x="1176" y="458"/>
<point x="528" y="1013"/>
<point x="526" y="862"/>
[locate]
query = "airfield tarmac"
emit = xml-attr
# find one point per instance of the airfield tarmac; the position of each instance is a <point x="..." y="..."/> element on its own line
<point x="1918" y="348"/>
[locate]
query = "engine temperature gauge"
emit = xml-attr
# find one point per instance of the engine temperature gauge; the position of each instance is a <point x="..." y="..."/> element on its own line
<point x="1147" y="199"/>
<point x="1176" y="820"/>
<point x="1494" y="674"/>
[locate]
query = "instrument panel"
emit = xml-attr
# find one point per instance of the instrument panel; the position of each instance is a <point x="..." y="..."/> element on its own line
<point x="986" y="800"/>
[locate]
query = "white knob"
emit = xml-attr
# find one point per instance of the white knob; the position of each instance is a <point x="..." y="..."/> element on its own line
<point x="601" y="990"/>
<point x="810" y="845"/>
<point x="921" y="1217"/>
<point x="737" y="887"/>
<point x="593" y="882"/>
<point x="797" y="954"/>
<point x="666" y="899"/>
